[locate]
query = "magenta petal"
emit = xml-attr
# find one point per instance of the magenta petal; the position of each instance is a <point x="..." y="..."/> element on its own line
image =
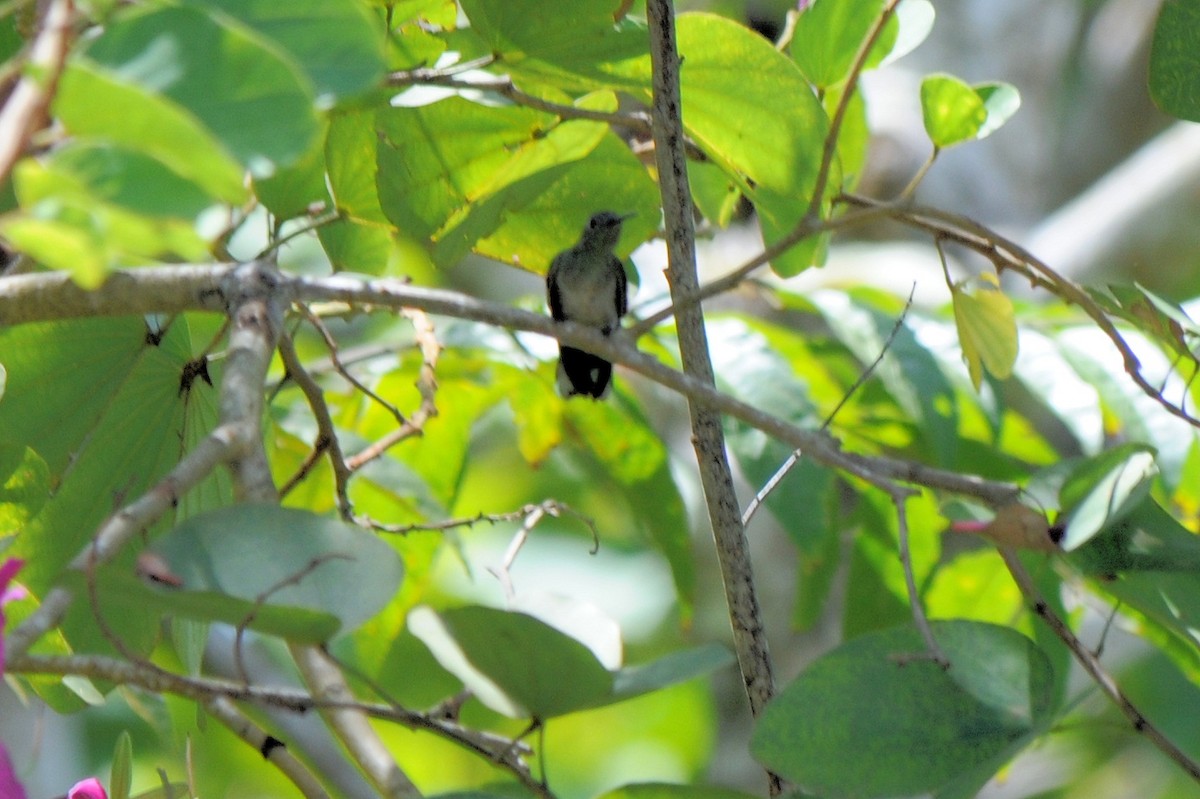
<point x="87" y="789"/>
<point x="9" y="787"/>
<point x="8" y="570"/>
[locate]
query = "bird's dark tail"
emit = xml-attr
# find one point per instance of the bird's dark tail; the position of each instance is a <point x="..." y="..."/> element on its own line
<point x="583" y="373"/>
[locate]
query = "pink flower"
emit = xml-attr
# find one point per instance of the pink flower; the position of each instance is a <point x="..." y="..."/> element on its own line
<point x="9" y="787"/>
<point x="8" y="570"/>
<point x="87" y="789"/>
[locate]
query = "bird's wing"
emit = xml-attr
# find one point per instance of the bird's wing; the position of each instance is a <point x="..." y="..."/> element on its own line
<point x="553" y="297"/>
<point x="622" y="287"/>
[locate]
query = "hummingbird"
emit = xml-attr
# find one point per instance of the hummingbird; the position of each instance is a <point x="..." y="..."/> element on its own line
<point x="587" y="285"/>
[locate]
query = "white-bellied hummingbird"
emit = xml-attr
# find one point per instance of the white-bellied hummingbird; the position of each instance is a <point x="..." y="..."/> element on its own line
<point x="586" y="285"/>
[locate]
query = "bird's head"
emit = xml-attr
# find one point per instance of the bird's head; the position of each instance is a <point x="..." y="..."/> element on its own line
<point x="603" y="230"/>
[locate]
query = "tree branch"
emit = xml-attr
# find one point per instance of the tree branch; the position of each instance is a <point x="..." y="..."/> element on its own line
<point x="25" y="108"/>
<point x="272" y="750"/>
<point x="1091" y="664"/>
<point x="201" y="282"/>
<point x="708" y="437"/>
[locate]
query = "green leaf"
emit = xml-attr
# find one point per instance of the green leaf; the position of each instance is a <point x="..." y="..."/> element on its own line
<point x="335" y="43"/>
<point x="513" y="662"/>
<point x="24" y="486"/>
<point x="131" y="179"/>
<point x="859" y="723"/>
<point x="268" y="555"/>
<point x="953" y="112"/>
<point x="731" y="81"/>
<point x="65" y="226"/>
<point x="1175" y="59"/>
<point x="121" y="779"/>
<point x="350" y="159"/>
<point x="909" y="372"/>
<point x="354" y="247"/>
<point x="579" y="45"/>
<point x="987" y="329"/>
<point x="1148" y="539"/>
<point x="125" y="594"/>
<point x="92" y="103"/>
<point x="1000" y="101"/>
<point x="249" y="99"/>
<point x="439" y="164"/>
<point x="298" y="189"/>
<point x="828" y="36"/>
<point x="663" y="790"/>
<point x="915" y="21"/>
<point x="1104" y="490"/>
<point x="668" y="670"/>
<point x="539" y="218"/>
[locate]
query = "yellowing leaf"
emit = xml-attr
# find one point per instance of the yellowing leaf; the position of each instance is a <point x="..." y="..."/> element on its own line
<point x="986" y="330"/>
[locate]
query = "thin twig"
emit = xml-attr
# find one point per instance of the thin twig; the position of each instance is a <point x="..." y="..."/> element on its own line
<point x="327" y="440"/>
<point x="1091" y="664"/>
<point x="899" y="499"/>
<point x="123" y="672"/>
<point x="264" y="596"/>
<point x="426" y="386"/>
<point x="862" y="378"/>
<point x="52" y="295"/>
<point x="335" y="359"/>
<point x="829" y="153"/>
<point x="1005" y="254"/>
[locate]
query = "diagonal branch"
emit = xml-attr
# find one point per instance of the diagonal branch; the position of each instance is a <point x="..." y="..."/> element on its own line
<point x="25" y="108"/>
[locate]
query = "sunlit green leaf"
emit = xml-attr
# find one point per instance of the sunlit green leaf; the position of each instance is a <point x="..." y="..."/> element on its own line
<point x="122" y="768"/>
<point x="829" y="34"/>
<point x="1102" y="491"/>
<point x="953" y="112"/>
<point x="987" y="329"/>
<point x="1001" y="101"/>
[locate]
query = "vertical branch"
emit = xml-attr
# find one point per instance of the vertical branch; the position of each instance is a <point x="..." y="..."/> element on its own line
<point x="256" y="315"/>
<point x="255" y="309"/>
<point x="708" y="438"/>
<point x="351" y="725"/>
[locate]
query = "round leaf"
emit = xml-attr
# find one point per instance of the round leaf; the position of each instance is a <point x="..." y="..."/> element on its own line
<point x="868" y="720"/>
<point x="516" y="664"/>
<point x="270" y="555"/>
<point x="953" y="112"/>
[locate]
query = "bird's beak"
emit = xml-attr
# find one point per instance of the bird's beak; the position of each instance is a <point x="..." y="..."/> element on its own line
<point x="629" y="215"/>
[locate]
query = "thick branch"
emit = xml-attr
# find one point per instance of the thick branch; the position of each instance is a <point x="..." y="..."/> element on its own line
<point x="43" y="296"/>
<point x="200" y="283"/>
<point x="272" y="750"/>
